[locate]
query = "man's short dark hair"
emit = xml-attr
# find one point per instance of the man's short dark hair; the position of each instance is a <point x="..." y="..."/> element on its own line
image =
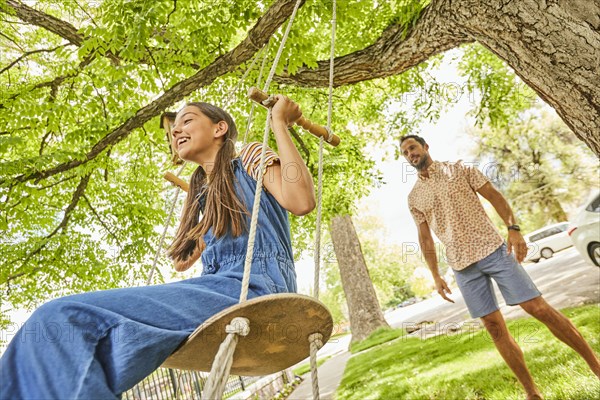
<point x="416" y="137"/>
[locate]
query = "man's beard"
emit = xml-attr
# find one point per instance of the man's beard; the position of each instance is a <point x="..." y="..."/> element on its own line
<point x="421" y="165"/>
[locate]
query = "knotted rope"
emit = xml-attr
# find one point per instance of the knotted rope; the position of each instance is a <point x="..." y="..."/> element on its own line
<point x="316" y="339"/>
<point x="166" y="228"/>
<point x="258" y="82"/>
<point x="316" y="342"/>
<point x="259" y="185"/>
<point x="221" y="365"/>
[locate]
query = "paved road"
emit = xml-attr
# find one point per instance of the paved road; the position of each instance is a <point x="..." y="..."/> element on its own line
<point x="565" y="280"/>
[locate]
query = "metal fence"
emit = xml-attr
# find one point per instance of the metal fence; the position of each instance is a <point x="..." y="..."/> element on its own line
<point x="170" y="384"/>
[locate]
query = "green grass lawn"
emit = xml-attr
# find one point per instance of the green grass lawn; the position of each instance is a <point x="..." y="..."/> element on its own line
<point x="382" y="335"/>
<point x="467" y="365"/>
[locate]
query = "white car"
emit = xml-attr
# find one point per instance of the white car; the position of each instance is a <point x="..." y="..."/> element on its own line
<point x="585" y="230"/>
<point x="546" y="241"/>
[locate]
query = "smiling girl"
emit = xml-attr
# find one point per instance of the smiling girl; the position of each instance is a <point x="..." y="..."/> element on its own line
<point x="100" y="344"/>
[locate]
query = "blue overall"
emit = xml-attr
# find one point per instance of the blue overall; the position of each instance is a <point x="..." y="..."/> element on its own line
<point x="98" y="345"/>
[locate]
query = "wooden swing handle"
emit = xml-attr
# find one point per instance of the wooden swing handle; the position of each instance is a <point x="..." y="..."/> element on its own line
<point x="259" y="96"/>
<point x="177" y="181"/>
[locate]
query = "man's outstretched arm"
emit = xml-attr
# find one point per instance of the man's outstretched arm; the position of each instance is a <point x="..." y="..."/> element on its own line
<point x="428" y="250"/>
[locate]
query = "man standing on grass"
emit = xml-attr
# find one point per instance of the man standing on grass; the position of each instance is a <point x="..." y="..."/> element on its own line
<point x="445" y="199"/>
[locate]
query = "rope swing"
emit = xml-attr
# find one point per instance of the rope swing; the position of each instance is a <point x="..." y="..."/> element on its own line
<point x="316" y="341"/>
<point x="248" y="340"/>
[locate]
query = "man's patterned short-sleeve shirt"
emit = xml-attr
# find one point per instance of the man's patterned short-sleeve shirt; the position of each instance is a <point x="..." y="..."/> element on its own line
<point x="448" y="202"/>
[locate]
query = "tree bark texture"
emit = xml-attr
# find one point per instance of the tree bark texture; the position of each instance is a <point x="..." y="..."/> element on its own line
<point x="553" y="45"/>
<point x="365" y="314"/>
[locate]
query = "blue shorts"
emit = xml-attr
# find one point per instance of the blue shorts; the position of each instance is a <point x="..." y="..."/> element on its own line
<point x="475" y="283"/>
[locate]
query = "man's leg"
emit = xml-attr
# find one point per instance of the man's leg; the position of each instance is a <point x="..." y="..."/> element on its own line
<point x="563" y="329"/>
<point x="510" y="352"/>
<point x="476" y="287"/>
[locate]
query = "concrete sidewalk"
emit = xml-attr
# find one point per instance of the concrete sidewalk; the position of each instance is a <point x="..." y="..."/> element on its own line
<point x="330" y="375"/>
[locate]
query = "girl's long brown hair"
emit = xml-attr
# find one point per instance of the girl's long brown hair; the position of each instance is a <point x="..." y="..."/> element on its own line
<point x="224" y="212"/>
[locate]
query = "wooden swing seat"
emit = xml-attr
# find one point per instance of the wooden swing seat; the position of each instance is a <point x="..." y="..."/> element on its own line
<point x="279" y="328"/>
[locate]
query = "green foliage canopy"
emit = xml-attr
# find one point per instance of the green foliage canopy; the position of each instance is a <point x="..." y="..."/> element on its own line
<point x="83" y="84"/>
<point x="537" y="162"/>
<point x="82" y="154"/>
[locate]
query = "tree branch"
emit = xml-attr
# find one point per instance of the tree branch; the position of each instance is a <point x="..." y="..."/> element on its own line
<point x="79" y="192"/>
<point x="104" y="112"/>
<point x="172" y="11"/>
<point x="52" y="24"/>
<point x="49" y="133"/>
<point x="48" y="22"/>
<point x="28" y="53"/>
<point x="15" y="130"/>
<point x="258" y="36"/>
<point x="55" y="25"/>
<point x="56" y="81"/>
<point x="86" y="13"/>
<point x="43" y="143"/>
<point x="101" y="221"/>
<point x="155" y="65"/>
<point x="56" y="183"/>
<point x="12" y="40"/>
<point x="397" y="50"/>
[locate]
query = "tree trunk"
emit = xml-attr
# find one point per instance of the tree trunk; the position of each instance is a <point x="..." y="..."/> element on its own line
<point x="363" y="307"/>
<point x="553" y="45"/>
<point x="558" y="212"/>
